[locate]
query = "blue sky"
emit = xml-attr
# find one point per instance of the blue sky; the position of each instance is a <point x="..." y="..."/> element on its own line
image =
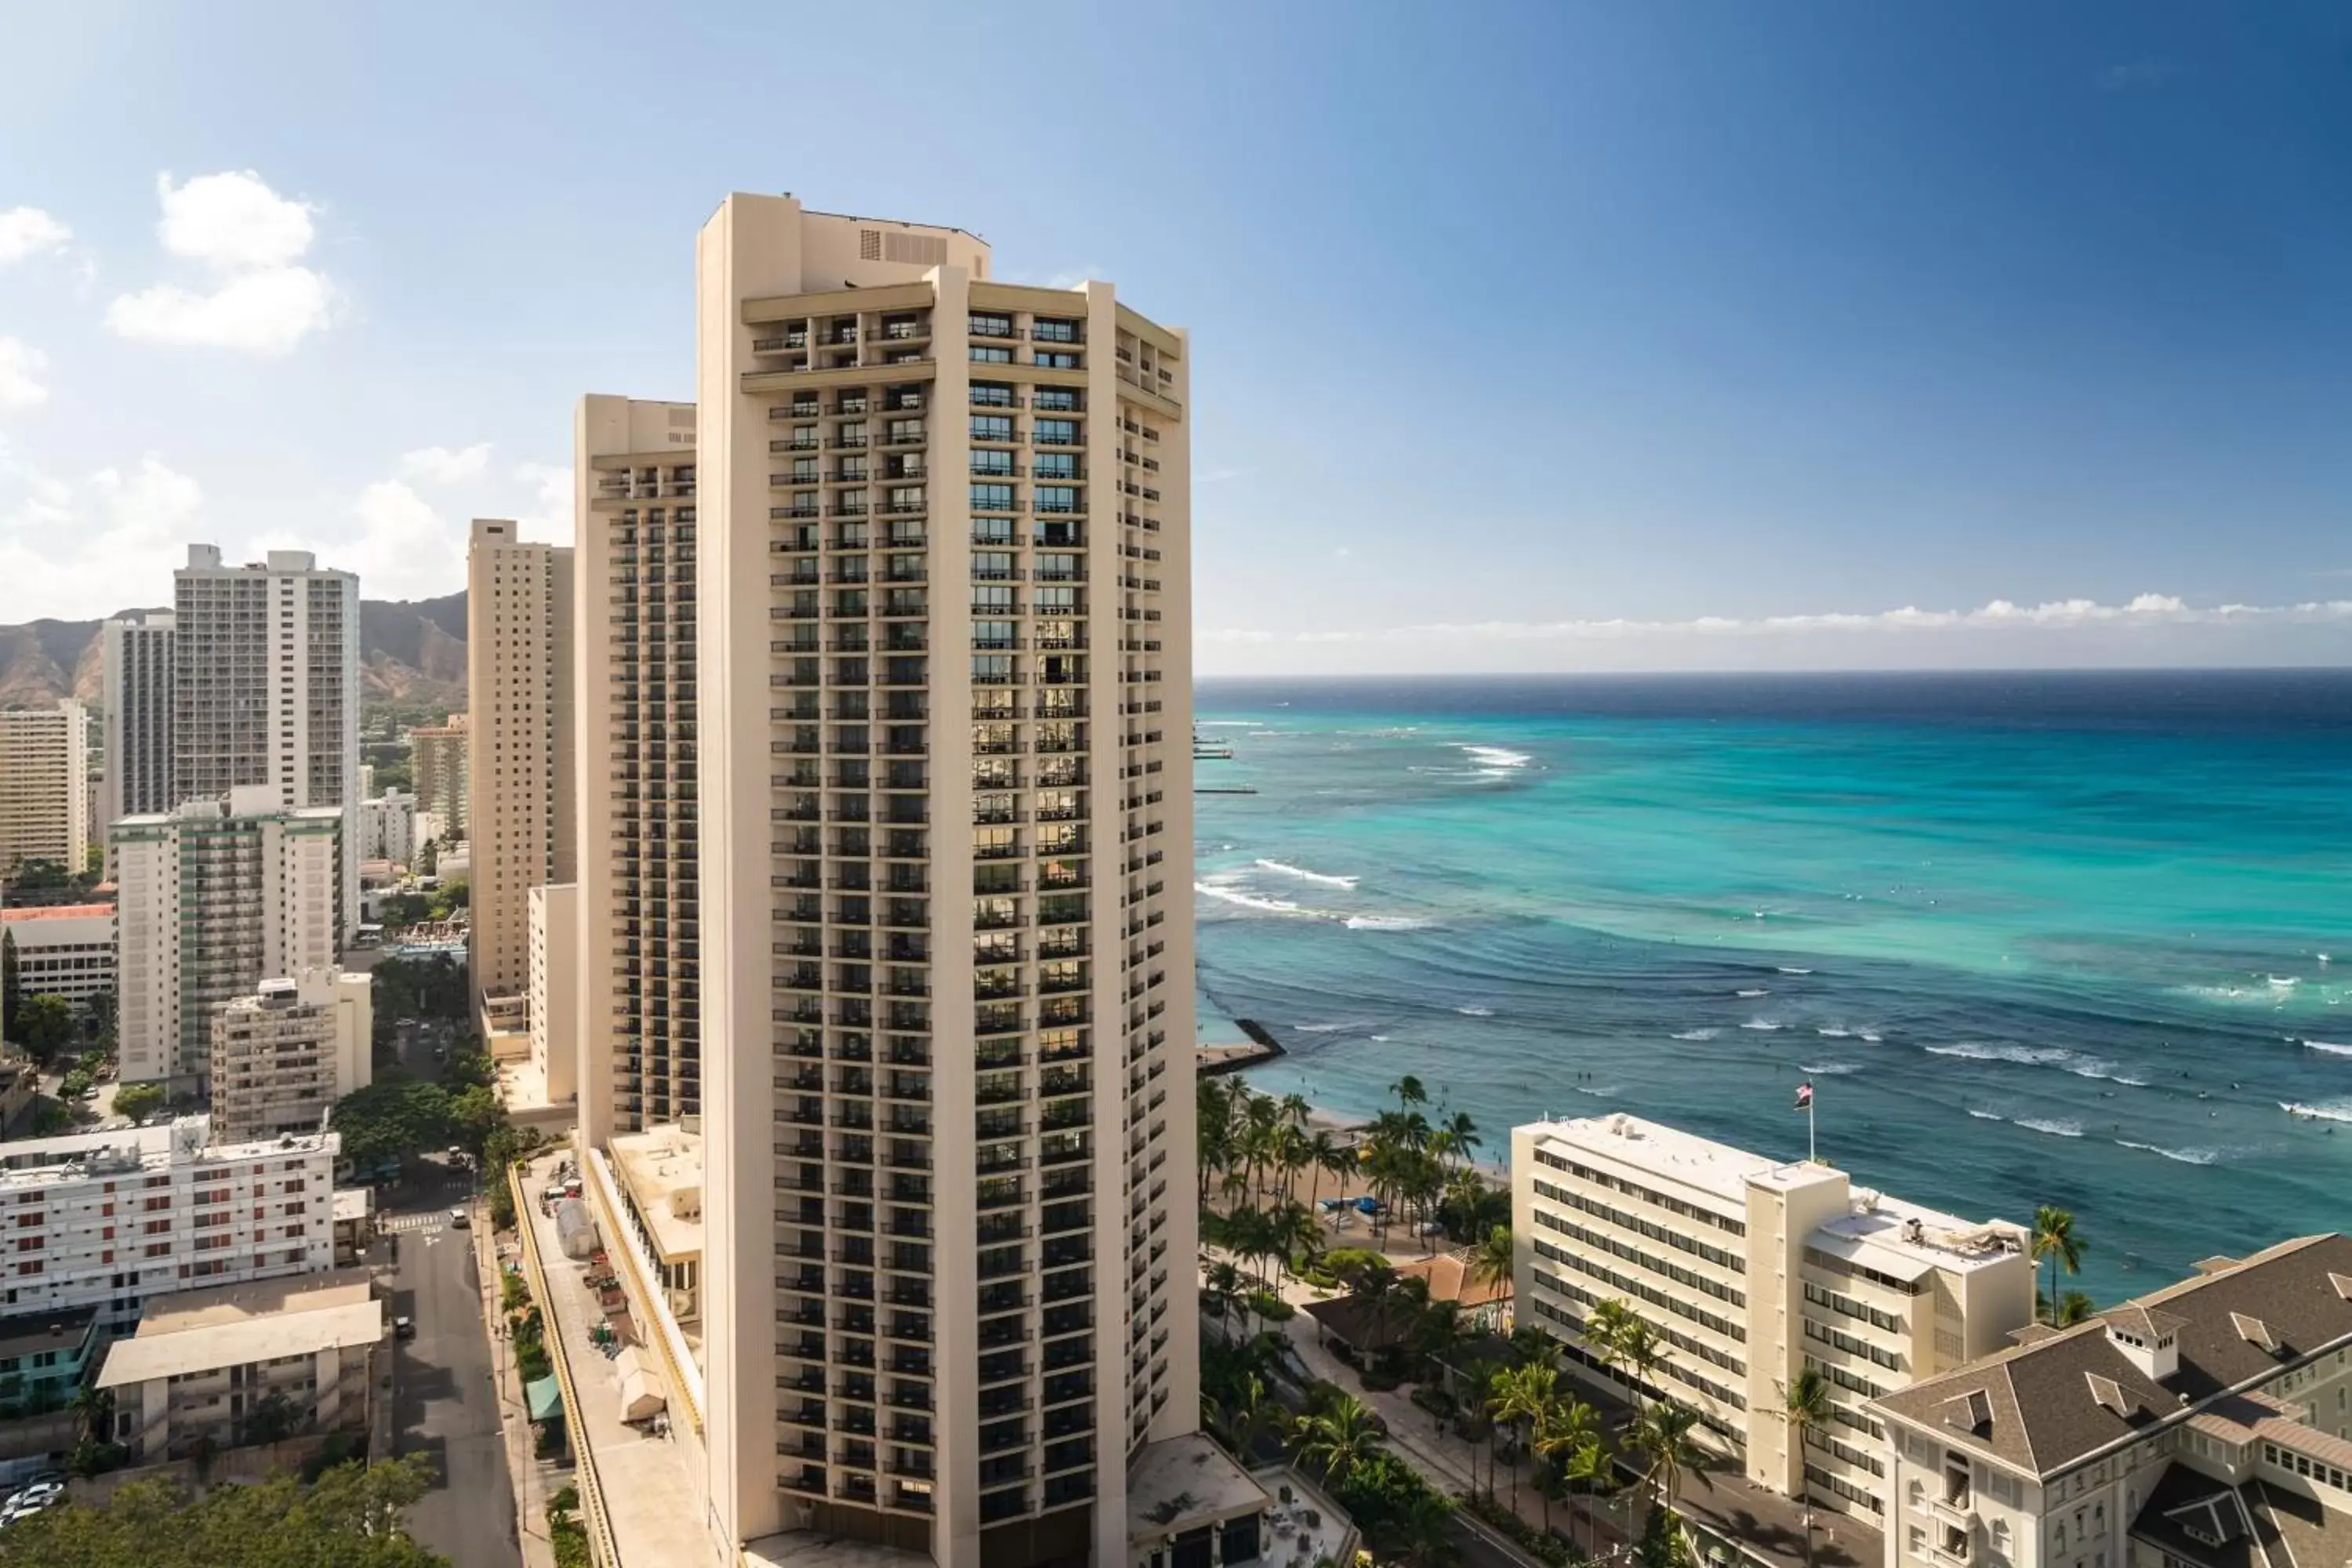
<point x="1544" y="337"/>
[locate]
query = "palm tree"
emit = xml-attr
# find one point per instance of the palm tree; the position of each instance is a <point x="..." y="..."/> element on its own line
<point x="2054" y="1241"/>
<point x="1409" y="1092"/>
<point x="2074" y="1307"/>
<point x="1663" y="1435"/>
<point x="1526" y="1393"/>
<point x="1225" y="1284"/>
<point x="1342" y="1437"/>
<point x="1465" y="1133"/>
<point x="1807" y="1408"/>
<point x="1493" y="1259"/>
<point x="1291" y="1230"/>
<point x="1563" y="1428"/>
<point x="1604" y="1332"/>
<point x="1323" y="1157"/>
<point x="1591" y="1465"/>
<point x="1295" y="1109"/>
<point x="1643" y="1350"/>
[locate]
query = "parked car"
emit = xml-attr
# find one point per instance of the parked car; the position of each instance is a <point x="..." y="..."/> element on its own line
<point x="403" y="1328"/>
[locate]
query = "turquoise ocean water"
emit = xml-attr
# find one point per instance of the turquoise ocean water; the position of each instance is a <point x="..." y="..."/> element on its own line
<point x="2079" y="939"/>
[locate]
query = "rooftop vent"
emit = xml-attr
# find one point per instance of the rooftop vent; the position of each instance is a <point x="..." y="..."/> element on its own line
<point x="1970" y="1412"/>
<point x="2343" y="1283"/>
<point x="2254" y="1331"/>
<point x="2108" y="1392"/>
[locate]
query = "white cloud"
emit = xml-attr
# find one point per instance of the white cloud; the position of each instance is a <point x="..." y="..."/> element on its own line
<point x="21" y="365"/>
<point x="549" y="515"/>
<point x="2146" y="610"/>
<point x="444" y="465"/>
<point x="73" y="549"/>
<point x="251" y="238"/>
<point x="29" y="231"/>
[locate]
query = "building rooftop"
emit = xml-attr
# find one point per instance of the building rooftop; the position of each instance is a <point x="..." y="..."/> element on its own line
<point x="58" y="912"/>
<point x="57" y="1329"/>
<point x="237" y="1325"/>
<point x="74" y="1157"/>
<point x="2041" y="1405"/>
<point x="354" y="1203"/>
<point x="1888" y="1234"/>
<point x="1182" y="1483"/>
<point x="661" y="1170"/>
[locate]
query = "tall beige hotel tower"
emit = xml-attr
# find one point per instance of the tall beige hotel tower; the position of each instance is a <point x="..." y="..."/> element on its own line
<point x="945" y="944"/>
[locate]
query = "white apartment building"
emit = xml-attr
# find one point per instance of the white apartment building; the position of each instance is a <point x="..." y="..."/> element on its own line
<point x="519" y="810"/>
<point x="944" y="672"/>
<point x="204" y="1363"/>
<point x="108" y="1219"/>
<point x="284" y="1055"/>
<point x="554" y="991"/>
<point x="136" y="653"/>
<point x="1751" y="1269"/>
<point x="2205" y="1425"/>
<point x="45" y="786"/>
<point x="639" y="965"/>
<point x="213" y="898"/>
<point x="265" y="670"/>
<point x="63" y="949"/>
<point x="387" y="828"/>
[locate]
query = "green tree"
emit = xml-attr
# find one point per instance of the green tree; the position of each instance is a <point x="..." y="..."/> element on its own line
<point x="139" y="1100"/>
<point x="474" y="1115"/>
<point x="393" y="1118"/>
<point x="1663" y="1437"/>
<point x="449" y="898"/>
<point x="44" y="1025"/>
<point x="11" y="997"/>
<point x="428" y="859"/>
<point x="352" y="1517"/>
<point x="1807" y="1408"/>
<point x="2056" y="1243"/>
<point x="1521" y="1396"/>
<point x="1339" y="1439"/>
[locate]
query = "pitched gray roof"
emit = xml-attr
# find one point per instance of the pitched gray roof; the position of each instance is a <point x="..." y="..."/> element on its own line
<point x="2035" y="1406"/>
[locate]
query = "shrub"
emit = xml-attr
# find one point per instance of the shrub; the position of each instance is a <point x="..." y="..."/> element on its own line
<point x="1379" y="1380"/>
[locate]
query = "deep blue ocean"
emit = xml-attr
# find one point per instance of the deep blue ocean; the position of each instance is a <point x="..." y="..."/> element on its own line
<point x="2070" y="938"/>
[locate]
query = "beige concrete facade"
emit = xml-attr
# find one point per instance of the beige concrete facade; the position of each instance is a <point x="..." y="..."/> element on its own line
<point x="944" y="770"/>
<point x="639" y="963"/>
<point x="283" y="1056"/>
<point x="43" y="786"/>
<point x="1752" y="1270"/>
<point x="519" y="806"/>
<point x="554" y="990"/>
<point x="213" y="898"/>
<point x="438" y="758"/>
<point x="204" y="1363"/>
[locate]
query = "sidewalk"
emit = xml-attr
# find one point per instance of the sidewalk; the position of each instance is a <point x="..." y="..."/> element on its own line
<point x="535" y="1480"/>
<point x="651" y="1486"/>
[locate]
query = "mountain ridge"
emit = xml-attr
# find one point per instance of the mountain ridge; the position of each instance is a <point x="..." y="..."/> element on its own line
<point x="411" y="650"/>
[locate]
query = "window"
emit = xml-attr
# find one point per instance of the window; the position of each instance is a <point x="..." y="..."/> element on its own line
<point x="1058" y="432"/>
<point x="989" y="461"/>
<point x="990" y="325"/>
<point x="995" y="394"/>
<point x="1056" y="498"/>
<point x="1056" y="465"/>
<point x="991" y="498"/>
<point x="1053" y="332"/>
<point x="1049" y="361"/>
<point x="991" y="427"/>
<point x="984" y="354"/>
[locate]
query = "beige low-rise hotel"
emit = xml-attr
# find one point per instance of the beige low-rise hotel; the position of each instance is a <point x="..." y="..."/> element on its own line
<point x="1751" y="1269"/>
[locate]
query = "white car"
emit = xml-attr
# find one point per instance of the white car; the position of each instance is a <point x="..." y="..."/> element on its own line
<point x="458" y="1219"/>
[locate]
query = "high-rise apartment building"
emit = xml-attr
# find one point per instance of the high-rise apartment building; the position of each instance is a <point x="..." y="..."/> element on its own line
<point x="518" y="629"/>
<point x="944" y="789"/>
<point x="639" y="1014"/>
<point x="555" y="990"/>
<point x="43" y="786"/>
<point x="266" y="671"/>
<point x="216" y="897"/>
<point x="282" y="1056"/>
<point x="438" y="759"/>
<point x="136" y="663"/>
<point x="1752" y="1270"/>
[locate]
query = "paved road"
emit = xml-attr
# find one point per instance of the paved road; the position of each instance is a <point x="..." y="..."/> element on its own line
<point x="444" y="1404"/>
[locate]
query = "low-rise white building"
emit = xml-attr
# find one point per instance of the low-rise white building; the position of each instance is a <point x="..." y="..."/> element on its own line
<point x="1752" y="1270"/>
<point x="283" y="1056"/>
<point x="110" y="1219"/>
<point x="242" y="1363"/>
<point x="2206" y="1425"/>
<point x="64" y="949"/>
<point x="386" y="827"/>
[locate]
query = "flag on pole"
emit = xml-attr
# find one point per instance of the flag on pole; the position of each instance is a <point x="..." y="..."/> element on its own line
<point x="1804" y="1098"/>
